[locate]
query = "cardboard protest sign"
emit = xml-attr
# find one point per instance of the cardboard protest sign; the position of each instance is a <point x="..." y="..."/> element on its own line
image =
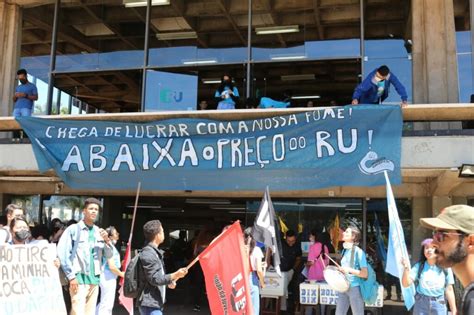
<point x="29" y="281"/>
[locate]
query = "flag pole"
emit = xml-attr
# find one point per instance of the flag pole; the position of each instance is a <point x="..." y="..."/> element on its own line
<point x="134" y="212"/>
<point x="332" y="260"/>
<point x="391" y="215"/>
<point x="193" y="262"/>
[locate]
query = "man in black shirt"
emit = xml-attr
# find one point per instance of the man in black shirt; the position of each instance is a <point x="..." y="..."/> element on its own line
<point x="453" y="237"/>
<point x="290" y="261"/>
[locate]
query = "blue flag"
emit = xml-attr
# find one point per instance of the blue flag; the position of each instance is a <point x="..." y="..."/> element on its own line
<point x="397" y="248"/>
<point x="381" y="250"/>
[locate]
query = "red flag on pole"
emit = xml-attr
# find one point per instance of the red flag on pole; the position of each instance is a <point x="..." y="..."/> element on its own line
<point x="125" y="301"/>
<point x="226" y="270"/>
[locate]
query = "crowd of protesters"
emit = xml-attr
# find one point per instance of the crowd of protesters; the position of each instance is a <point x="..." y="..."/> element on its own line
<point x="89" y="262"/>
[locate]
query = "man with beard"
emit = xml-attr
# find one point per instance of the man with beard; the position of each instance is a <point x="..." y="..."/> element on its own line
<point x="453" y="237"/>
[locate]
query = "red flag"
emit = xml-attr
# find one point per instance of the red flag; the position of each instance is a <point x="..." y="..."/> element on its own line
<point x="125" y="301"/>
<point x="226" y="269"/>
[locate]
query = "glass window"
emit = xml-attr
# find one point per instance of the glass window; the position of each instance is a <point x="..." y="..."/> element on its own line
<point x="309" y="50"/>
<point x="185" y="88"/>
<point x="37" y="25"/>
<point x="109" y="91"/>
<point x="195" y="33"/>
<point x="378" y="227"/>
<point x="75" y="106"/>
<point x="64" y="104"/>
<point x="463" y="26"/>
<point x="389" y="43"/>
<point x="319" y="215"/>
<point x="30" y="204"/>
<point x="55" y="101"/>
<point x="41" y="104"/>
<point x="100" y="35"/>
<point x="65" y="208"/>
<point x="307" y="83"/>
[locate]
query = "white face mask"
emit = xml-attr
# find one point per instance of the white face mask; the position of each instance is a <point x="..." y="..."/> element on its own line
<point x="347" y="245"/>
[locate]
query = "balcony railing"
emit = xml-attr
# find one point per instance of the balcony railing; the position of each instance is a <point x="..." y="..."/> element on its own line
<point x="411" y="113"/>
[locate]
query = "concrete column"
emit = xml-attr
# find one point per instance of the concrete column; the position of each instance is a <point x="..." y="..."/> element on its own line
<point x="10" y="40"/>
<point x="439" y="203"/>
<point x="421" y="208"/>
<point x="435" y="68"/>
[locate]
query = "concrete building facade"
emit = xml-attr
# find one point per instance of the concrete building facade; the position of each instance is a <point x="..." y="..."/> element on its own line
<point x="98" y="55"/>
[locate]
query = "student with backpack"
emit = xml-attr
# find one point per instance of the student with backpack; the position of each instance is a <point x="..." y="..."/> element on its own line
<point x="80" y="251"/>
<point x="354" y="265"/>
<point x="152" y="297"/>
<point x="433" y="284"/>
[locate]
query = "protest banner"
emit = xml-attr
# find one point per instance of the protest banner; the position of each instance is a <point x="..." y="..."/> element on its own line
<point x="343" y="146"/>
<point x="29" y="281"/>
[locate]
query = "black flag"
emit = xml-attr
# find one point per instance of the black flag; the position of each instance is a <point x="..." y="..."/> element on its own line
<point x="266" y="229"/>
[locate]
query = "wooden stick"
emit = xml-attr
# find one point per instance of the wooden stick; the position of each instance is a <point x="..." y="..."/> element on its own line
<point x="134" y="212"/>
<point x="332" y="260"/>
<point x="322" y="260"/>
<point x="193" y="262"/>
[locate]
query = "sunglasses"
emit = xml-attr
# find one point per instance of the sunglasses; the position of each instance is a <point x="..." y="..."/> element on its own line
<point x="439" y="236"/>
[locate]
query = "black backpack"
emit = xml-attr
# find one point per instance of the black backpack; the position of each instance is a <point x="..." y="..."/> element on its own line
<point x="134" y="280"/>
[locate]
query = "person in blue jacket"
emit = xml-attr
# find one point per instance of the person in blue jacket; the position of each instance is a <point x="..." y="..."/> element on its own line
<point x="376" y="87"/>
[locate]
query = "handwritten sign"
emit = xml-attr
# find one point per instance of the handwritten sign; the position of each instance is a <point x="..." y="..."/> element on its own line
<point x="29" y="281"/>
<point x="328" y="296"/>
<point x="344" y="146"/>
<point x="309" y="293"/>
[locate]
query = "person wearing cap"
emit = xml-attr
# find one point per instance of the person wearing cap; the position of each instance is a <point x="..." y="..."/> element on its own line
<point x="432" y="283"/>
<point x="376" y="87"/>
<point x="453" y="238"/>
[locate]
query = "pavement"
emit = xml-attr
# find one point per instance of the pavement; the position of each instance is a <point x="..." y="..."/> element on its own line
<point x="180" y="304"/>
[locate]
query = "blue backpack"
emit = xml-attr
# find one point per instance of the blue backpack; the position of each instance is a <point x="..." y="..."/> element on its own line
<point x="368" y="287"/>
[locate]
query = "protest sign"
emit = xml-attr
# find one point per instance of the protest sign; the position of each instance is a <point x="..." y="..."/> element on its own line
<point x="29" y="281"/>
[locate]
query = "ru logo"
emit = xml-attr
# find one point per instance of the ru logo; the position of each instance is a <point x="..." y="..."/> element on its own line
<point x="170" y="96"/>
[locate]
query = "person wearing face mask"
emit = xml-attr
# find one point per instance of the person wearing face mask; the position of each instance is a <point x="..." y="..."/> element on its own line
<point x="433" y="284"/>
<point x="108" y="277"/>
<point x="354" y="266"/>
<point x="227" y="94"/>
<point x="20" y="231"/>
<point x="317" y="261"/>
<point x="376" y="87"/>
<point x="25" y="95"/>
<point x="317" y="258"/>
